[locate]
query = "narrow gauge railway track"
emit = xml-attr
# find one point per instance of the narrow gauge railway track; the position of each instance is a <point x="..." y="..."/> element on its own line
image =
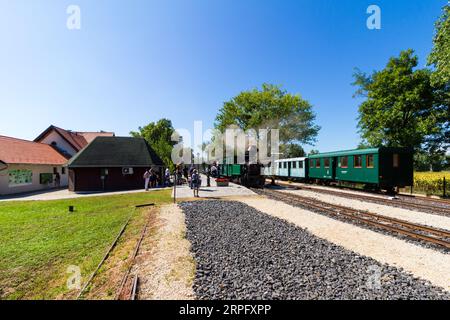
<point x="426" y="199"/>
<point x="399" y="202"/>
<point x="416" y="231"/>
<point x="125" y="292"/>
<point x="130" y="292"/>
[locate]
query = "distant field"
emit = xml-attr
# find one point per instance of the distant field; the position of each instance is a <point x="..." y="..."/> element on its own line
<point x="40" y="239"/>
<point x="431" y="182"/>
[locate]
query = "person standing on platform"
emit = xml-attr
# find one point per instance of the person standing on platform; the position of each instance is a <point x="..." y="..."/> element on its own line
<point x="146" y="179"/>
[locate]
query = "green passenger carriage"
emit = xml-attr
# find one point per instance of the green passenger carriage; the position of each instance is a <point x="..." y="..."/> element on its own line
<point x="384" y="168"/>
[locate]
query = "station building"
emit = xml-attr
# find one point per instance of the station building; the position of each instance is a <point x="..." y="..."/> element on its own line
<point x="112" y="163"/>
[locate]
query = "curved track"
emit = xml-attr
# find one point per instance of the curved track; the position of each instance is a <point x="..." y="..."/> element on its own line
<point x="415" y="231"/>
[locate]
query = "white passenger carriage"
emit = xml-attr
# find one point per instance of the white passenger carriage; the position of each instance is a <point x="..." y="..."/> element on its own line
<point x="287" y="168"/>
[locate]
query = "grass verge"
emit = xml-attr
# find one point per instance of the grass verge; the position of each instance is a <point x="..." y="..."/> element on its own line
<point x="39" y="240"/>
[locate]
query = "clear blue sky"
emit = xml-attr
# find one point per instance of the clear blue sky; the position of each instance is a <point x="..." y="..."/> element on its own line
<point x="134" y="61"/>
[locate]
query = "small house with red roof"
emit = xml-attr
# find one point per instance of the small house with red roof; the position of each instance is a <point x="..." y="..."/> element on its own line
<point x="29" y="166"/>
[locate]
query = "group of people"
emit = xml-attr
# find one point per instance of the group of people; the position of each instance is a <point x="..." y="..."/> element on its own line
<point x="182" y="174"/>
<point x="191" y="176"/>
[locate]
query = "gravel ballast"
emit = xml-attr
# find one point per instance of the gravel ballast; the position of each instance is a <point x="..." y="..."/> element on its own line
<point x="242" y="253"/>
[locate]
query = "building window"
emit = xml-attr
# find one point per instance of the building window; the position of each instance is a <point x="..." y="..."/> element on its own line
<point x="344" y="162"/>
<point x="317" y="163"/>
<point x="46" y="178"/>
<point x="294" y="165"/>
<point x="326" y="162"/>
<point x="63" y="170"/>
<point x="357" y="161"/>
<point x="395" y="160"/>
<point x="369" y="161"/>
<point x="55" y="170"/>
<point x="311" y="163"/>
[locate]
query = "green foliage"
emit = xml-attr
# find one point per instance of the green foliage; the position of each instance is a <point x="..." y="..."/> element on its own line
<point x="291" y="150"/>
<point x="401" y="106"/>
<point x="270" y="108"/>
<point x="159" y="136"/>
<point x="440" y="55"/>
<point x="40" y="239"/>
<point x="314" y="151"/>
<point x="424" y="161"/>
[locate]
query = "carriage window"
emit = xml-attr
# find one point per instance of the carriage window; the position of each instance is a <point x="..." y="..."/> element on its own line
<point x="285" y="165"/>
<point x="369" y="161"/>
<point x="357" y="161"/>
<point x="326" y="162"/>
<point x="317" y="163"/>
<point x="344" y="162"/>
<point x="396" y="160"/>
<point x="294" y="165"/>
<point x="311" y="163"/>
<point x="300" y="164"/>
<point x="279" y="165"/>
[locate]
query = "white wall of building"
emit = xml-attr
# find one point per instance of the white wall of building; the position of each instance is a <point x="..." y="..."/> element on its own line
<point x="6" y="189"/>
<point x="60" y="142"/>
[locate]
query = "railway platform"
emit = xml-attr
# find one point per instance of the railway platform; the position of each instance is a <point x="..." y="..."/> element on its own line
<point x="184" y="191"/>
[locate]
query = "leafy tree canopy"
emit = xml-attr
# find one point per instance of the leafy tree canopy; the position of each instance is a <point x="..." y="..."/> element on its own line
<point x="440" y="55"/>
<point x="401" y="107"/>
<point x="292" y="150"/>
<point x="270" y="108"/>
<point x="158" y="135"/>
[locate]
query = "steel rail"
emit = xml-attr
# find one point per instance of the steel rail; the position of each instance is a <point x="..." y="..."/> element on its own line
<point x="374" y="199"/>
<point x="133" y="257"/>
<point x="134" y="287"/>
<point x="113" y="245"/>
<point x="366" y="217"/>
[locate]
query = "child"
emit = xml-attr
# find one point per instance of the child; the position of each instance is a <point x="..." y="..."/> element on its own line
<point x="195" y="181"/>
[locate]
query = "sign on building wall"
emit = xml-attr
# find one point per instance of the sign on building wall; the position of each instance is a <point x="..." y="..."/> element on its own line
<point x="20" y="177"/>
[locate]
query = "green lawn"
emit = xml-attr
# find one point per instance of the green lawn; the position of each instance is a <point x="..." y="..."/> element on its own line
<point x="40" y="239"/>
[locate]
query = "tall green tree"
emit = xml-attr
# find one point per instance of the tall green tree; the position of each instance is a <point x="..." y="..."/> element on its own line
<point x="440" y="55"/>
<point x="292" y="150"/>
<point x="440" y="79"/>
<point x="270" y="108"/>
<point x="400" y="107"/>
<point x="158" y="135"/>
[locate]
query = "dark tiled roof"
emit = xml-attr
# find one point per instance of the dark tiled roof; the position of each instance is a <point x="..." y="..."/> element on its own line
<point x="116" y="152"/>
<point x="18" y="151"/>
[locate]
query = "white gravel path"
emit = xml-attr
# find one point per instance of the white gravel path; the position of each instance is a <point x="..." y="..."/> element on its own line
<point x="437" y="221"/>
<point x="424" y="263"/>
<point x="167" y="269"/>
